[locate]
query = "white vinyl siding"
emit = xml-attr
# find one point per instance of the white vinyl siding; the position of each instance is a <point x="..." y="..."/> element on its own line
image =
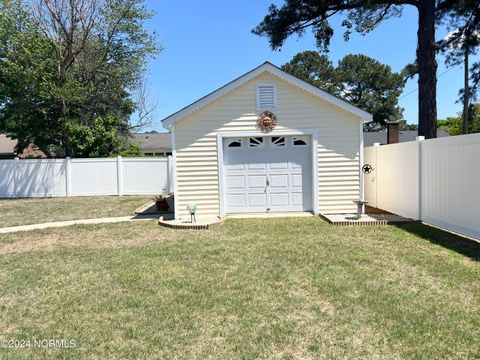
<point x="338" y="144"/>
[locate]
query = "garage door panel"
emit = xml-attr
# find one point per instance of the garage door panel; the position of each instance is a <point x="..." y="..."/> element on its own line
<point x="297" y="198"/>
<point x="278" y="165"/>
<point x="235" y="182"/>
<point x="279" y="199"/>
<point x="299" y="165"/>
<point x="256" y="166"/>
<point x="236" y="200"/>
<point x="297" y="180"/>
<point x="277" y="181"/>
<point x="257" y="181"/>
<point x="233" y="167"/>
<point x="257" y="200"/>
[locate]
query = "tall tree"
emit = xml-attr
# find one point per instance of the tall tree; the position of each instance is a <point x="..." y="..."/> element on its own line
<point x="27" y="78"/>
<point x="314" y="68"/>
<point x="359" y="79"/>
<point x="94" y="56"/>
<point x="460" y="44"/>
<point x="295" y="16"/>
<point x="372" y="86"/>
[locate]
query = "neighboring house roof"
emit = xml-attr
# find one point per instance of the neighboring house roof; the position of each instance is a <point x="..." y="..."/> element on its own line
<point x="160" y="142"/>
<point x="154" y="141"/>
<point x="371" y="137"/>
<point x="340" y="103"/>
<point x="7" y="145"/>
<point x="32" y="151"/>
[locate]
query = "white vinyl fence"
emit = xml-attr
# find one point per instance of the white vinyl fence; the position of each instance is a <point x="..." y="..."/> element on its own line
<point x="436" y="181"/>
<point x="84" y="177"/>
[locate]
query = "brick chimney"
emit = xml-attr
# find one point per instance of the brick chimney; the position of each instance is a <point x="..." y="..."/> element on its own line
<point x="393" y="133"/>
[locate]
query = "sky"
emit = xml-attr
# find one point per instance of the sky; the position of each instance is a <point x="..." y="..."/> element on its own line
<point x="209" y="43"/>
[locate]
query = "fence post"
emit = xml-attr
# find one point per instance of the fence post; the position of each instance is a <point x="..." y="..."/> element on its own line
<point x="15" y="175"/>
<point x="376" y="146"/>
<point x="119" y="176"/>
<point x="68" y="176"/>
<point x="420" y="176"/>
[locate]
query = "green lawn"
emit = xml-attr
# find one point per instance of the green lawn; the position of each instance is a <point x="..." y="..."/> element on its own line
<point x="40" y="210"/>
<point x="293" y="288"/>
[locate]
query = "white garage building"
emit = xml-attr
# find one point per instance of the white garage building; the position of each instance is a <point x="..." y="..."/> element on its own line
<point x="267" y="142"/>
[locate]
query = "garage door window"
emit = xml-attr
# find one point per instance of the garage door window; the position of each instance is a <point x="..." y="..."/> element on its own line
<point x="278" y="141"/>
<point x="300" y="141"/>
<point x="235" y="143"/>
<point x="256" y="142"/>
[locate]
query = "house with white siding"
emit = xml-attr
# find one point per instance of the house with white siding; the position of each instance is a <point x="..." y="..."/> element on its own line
<point x="267" y="142"/>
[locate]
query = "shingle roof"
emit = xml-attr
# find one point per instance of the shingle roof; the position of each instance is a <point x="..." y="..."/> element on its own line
<point x="371" y="137"/>
<point x="154" y="141"/>
<point x="7" y="145"/>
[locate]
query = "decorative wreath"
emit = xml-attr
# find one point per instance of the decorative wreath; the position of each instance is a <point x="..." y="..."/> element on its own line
<point x="267" y="121"/>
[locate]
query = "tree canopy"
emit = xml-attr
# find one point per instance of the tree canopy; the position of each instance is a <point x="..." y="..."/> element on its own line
<point x="69" y="71"/>
<point x="314" y="68"/>
<point x="359" y="79"/>
<point x="363" y="16"/>
<point x="453" y="125"/>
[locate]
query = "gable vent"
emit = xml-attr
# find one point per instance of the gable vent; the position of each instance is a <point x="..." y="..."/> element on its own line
<point x="266" y="97"/>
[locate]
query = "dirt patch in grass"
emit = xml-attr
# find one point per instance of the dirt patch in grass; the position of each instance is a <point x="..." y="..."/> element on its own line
<point x="79" y="236"/>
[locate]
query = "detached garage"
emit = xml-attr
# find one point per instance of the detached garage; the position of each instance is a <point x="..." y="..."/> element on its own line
<point x="267" y="142"/>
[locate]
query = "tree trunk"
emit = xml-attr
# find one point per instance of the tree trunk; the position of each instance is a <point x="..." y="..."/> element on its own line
<point x="427" y="70"/>
<point x="466" y="91"/>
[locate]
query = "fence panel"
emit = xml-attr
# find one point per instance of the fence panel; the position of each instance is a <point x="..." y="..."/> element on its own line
<point x="40" y="178"/>
<point x="369" y="180"/>
<point x="91" y="177"/>
<point x="84" y="177"/>
<point x="145" y="176"/>
<point x="451" y="183"/>
<point x="7" y="178"/>
<point x="397" y="181"/>
<point x="435" y="180"/>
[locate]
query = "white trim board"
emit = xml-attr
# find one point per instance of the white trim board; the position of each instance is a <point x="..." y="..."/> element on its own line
<point x="176" y="209"/>
<point x="267" y="67"/>
<point x="314" y="156"/>
<point x="361" y="159"/>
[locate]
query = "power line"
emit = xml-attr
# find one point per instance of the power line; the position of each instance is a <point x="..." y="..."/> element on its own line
<point x="416" y="89"/>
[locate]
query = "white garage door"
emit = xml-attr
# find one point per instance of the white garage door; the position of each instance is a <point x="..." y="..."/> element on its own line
<point x="265" y="174"/>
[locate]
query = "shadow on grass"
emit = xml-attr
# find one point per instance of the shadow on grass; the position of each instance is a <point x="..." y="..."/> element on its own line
<point x="459" y="244"/>
<point x="166" y="215"/>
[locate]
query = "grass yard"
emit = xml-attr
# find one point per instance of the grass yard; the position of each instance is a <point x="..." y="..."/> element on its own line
<point x="294" y="288"/>
<point x="40" y="210"/>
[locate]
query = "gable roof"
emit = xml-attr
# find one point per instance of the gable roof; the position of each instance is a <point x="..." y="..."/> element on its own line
<point x="153" y="141"/>
<point x="267" y="67"/>
<point x="7" y="145"/>
<point x="7" y="148"/>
